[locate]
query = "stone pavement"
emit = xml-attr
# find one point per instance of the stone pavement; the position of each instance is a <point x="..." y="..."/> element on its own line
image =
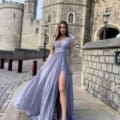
<point x="10" y="80"/>
<point x="87" y="107"/>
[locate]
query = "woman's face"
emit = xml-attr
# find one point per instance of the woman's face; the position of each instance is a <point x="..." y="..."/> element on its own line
<point x="62" y="29"/>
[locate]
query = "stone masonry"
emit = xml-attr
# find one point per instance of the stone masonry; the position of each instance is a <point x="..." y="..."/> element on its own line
<point x="101" y="75"/>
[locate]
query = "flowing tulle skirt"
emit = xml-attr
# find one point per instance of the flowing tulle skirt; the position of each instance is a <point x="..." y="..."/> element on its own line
<point x="40" y="96"/>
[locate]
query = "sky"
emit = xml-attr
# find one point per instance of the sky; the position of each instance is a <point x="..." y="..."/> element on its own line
<point x="39" y="10"/>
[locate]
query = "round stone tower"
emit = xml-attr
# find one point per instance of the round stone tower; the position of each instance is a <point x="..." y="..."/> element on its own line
<point x="11" y="15"/>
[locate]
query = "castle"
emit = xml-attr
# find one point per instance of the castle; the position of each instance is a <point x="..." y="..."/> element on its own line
<point x="20" y="29"/>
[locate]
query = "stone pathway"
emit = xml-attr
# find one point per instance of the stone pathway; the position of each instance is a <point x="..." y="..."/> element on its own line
<point x="10" y="80"/>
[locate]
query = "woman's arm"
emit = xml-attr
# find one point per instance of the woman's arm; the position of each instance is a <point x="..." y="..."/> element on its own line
<point x="70" y="55"/>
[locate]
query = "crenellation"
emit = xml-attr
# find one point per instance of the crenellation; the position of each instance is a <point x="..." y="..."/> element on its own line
<point x="11" y="5"/>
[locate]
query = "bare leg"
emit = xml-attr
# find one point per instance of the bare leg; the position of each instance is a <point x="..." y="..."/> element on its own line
<point x="62" y="91"/>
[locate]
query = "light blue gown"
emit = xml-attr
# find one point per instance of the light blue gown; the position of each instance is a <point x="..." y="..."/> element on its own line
<point x="41" y="95"/>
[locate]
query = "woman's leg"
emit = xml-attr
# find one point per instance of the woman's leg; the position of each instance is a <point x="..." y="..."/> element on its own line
<point x="62" y="90"/>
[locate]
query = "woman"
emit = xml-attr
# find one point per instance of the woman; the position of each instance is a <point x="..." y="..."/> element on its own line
<point x="49" y="96"/>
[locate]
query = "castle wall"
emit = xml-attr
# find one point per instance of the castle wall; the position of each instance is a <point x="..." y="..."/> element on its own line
<point x="10" y="25"/>
<point x="59" y="9"/>
<point x="30" y="8"/>
<point x="30" y="34"/>
<point x="99" y="8"/>
<point x="54" y="12"/>
<point x="101" y="73"/>
<point x="77" y="29"/>
<point x="30" y="29"/>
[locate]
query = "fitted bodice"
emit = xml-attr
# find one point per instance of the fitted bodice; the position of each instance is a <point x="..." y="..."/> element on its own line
<point x="62" y="47"/>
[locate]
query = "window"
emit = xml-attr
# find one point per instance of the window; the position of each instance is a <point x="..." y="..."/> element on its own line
<point x="49" y="18"/>
<point x="14" y="15"/>
<point x="71" y="17"/>
<point x="37" y="30"/>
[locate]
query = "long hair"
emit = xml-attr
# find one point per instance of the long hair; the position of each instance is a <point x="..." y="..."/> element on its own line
<point x="57" y="34"/>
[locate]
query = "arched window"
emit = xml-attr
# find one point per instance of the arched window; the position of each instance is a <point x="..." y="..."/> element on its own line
<point x="71" y="17"/>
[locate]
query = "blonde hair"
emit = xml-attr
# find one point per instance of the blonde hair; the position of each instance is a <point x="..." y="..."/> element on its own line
<point x="52" y="47"/>
<point x="57" y="34"/>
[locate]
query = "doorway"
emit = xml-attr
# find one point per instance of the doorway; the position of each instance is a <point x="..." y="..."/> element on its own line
<point x="110" y="33"/>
